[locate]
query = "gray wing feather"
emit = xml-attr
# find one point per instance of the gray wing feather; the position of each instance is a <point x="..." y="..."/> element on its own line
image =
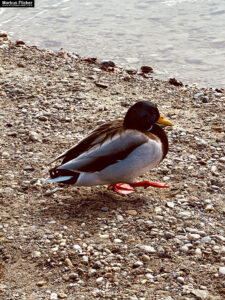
<point x="100" y="157"/>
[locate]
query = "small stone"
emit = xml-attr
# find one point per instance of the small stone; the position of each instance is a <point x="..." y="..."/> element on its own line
<point x="198" y="95"/>
<point x="97" y="70"/>
<point x="104" y="236"/>
<point x="146" y="69"/>
<point x="222" y="270"/>
<point x="36" y="254"/>
<point x="120" y="218"/>
<point x="202" y="142"/>
<point x="19" y="43"/>
<point x="34" y="136"/>
<point x="184" y="214"/>
<point x="55" y="249"/>
<point x="209" y="207"/>
<point x="192" y="230"/>
<point x="184" y="249"/>
<point x="218" y="128"/>
<point x="85" y="259"/>
<point x="104" y="209"/>
<point x="201" y="294"/>
<point x="138" y="264"/>
<point x="157" y="209"/>
<point x="170" y="204"/>
<point x="73" y="276"/>
<point x="175" y="82"/>
<point x="3" y="35"/>
<point x="2" y="287"/>
<point x="205" y="99"/>
<point x="117" y="241"/>
<point x="213" y="169"/>
<point x="41" y="283"/>
<point x="97" y="264"/>
<point x="107" y="251"/>
<point x="148" y="249"/>
<point x="149" y="276"/>
<point x="12" y="133"/>
<point x="69" y="263"/>
<point x="108" y="63"/>
<point x="222" y="159"/>
<point x="145" y="257"/>
<point x="5" y="154"/>
<point x="99" y="280"/>
<point x="193" y="236"/>
<point x="134" y="297"/>
<point x="161" y="251"/>
<point x="21" y="65"/>
<point x="62" y="295"/>
<point x="62" y="244"/>
<point x="101" y="85"/>
<point x="180" y="279"/>
<point x="168" y="235"/>
<point x="53" y="296"/>
<point x="77" y="248"/>
<point x="206" y="239"/>
<point x="150" y="224"/>
<point x="92" y="272"/>
<point x="131" y="212"/>
<point x="198" y="252"/>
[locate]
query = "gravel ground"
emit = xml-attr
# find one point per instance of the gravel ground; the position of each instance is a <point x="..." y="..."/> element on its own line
<point x="70" y="242"/>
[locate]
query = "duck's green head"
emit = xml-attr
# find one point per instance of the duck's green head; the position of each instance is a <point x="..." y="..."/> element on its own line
<point x="143" y="115"/>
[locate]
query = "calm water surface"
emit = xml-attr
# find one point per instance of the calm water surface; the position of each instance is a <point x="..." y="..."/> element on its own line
<point x="178" y="38"/>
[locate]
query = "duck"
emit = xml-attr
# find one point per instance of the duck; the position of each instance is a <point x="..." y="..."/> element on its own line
<point x="117" y="152"/>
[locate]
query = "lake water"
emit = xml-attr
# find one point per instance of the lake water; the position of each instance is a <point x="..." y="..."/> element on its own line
<point x="178" y="38"/>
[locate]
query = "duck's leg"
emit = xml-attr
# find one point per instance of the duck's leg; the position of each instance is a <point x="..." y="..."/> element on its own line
<point x="146" y="184"/>
<point x="122" y="188"/>
<point x="125" y="188"/>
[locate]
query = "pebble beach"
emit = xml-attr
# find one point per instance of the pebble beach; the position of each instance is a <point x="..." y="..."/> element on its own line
<point x="67" y="242"/>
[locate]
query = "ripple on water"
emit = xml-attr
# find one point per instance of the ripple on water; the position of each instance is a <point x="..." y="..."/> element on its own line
<point x="176" y="37"/>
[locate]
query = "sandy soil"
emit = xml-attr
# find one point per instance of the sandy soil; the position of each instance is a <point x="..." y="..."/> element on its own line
<point x="70" y="242"/>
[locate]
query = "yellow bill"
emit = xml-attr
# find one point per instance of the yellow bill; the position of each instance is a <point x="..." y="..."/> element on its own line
<point x="163" y="121"/>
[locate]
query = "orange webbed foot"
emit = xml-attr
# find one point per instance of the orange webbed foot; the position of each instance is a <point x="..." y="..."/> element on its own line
<point x="122" y="188"/>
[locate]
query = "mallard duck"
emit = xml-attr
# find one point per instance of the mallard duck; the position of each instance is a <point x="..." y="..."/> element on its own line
<point x="117" y="152"/>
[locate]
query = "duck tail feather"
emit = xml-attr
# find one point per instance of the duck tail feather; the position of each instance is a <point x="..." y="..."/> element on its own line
<point x="63" y="176"/>
<point x="59" y="179"/>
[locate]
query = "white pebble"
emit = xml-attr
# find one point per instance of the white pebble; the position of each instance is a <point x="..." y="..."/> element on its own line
<point x="198" y="252"/>
<point x="99" y="280"/>
<point x="148" y="249"/>
<point x="5" y="154"/>
<point x="184" y="214"/>
<point x="170" y="204"/>
<point x="77" y="248"/>
<point x="184" y="248"/>
<point x="53" y="296"/>
<point x="138" y="264"/>
<point x="222" y="270"/>
<point x="119" y="218"/>
<point x="85" y="259"/>
<point x="149" y="276"/>
<point x="193" y="236"/>
<point x="117" y="241"/>
<point x="180" y="279"/>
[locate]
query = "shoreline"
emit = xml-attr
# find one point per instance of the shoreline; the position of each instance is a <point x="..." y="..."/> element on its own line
<point x="157" y="74"/>
<point x="87" y="242"/>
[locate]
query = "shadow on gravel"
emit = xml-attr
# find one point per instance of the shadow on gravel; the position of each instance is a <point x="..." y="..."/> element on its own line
<point x="91" y="205"/>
